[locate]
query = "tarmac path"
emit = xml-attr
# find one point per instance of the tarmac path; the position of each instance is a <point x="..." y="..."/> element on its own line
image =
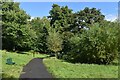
<point x="35" y="70"/>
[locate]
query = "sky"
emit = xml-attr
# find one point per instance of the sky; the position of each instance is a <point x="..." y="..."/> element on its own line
<point x="66" y="0"/>
<point x="40" y="9"/>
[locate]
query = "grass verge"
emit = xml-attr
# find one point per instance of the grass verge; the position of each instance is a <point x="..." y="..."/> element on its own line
<point x="13" y="71"/>
<point x="61" y="69"/>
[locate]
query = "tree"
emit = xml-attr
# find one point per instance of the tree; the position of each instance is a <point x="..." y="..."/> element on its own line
<point x="66" y="36"/>
<point x="54" y="41"/>
<point x="40" y="26"/>
<point x="14" y="22"/>
<point x="98" y="45"/>
<point x="61" y="17"/>
<point x="87" y="17"/>
<point x="54" y="13"/>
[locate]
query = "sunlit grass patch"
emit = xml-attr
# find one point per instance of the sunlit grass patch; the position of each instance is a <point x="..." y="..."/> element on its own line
<point x="20" y="61"/>
<point x="61" y="69"/>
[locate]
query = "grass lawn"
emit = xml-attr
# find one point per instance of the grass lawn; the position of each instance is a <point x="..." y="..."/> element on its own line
<point x="61" y="69"/>
<point x="58" y="68"/>
<point x="20" y="60"/>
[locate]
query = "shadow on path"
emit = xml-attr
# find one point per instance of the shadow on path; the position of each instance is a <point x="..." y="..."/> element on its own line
<point x="35" y="70"/>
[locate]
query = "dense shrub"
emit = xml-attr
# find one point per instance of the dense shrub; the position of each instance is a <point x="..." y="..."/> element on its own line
<point x="97" y="45"/>
<point x="66" y="36"/>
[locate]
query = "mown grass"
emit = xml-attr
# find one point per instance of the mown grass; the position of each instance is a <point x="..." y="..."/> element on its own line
<point x="58" y="68"/>
<point x="61" y="69"/>
<point x="20" y="60"/>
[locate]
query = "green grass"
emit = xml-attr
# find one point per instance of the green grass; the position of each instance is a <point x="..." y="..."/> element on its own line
<point x="61" y="69"/>
<point x="20" y="60"/>
<point x="58" y="68"/>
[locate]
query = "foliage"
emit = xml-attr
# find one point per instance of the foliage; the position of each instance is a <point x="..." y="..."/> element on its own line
<point x="86" y="17"/>
<point x="66" y="36"/>
<point x="97" y="45"/>
<point x="27" y="41"/>
<point x="82" y="36"/>
<point x="54" y="41"/>
<point x="65" y="20"/>
<point x="40" y="26"/>
<point x="61" y="17"/>
<point x="15" y="30"/>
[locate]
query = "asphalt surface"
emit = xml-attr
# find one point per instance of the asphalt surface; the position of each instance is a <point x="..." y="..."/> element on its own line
<point x="35" y="70"/>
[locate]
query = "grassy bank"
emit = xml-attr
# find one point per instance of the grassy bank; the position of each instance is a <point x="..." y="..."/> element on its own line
<point x="61" y="69"/>
<point x="20" y="59"/>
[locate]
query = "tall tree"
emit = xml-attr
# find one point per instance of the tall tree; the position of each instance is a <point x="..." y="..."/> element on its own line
<point x="54" y="41"/>
<point x="61" y="17"/>
<point x="40" y="26"/>
<point x="87" y="17"/>
<point x="14" y="22"/>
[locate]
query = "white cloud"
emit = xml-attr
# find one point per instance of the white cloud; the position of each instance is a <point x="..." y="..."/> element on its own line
<point x="111" y="17"/>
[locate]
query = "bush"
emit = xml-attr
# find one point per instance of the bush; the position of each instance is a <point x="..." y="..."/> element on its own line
<point x="97" y="45"/>
<point x="66" y="46"/>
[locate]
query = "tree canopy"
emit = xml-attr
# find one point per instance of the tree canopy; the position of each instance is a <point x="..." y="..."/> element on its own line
<point x="84" y="36"/>
<point x="15" y="30"/>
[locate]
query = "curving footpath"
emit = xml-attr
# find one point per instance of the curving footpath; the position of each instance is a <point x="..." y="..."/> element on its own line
<point x="35" y="70"/>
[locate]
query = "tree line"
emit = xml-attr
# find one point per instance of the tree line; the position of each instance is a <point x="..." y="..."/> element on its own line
<point x="84" y="36"/>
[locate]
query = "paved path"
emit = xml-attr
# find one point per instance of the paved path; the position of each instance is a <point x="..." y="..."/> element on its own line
<point x="35" y="70"/>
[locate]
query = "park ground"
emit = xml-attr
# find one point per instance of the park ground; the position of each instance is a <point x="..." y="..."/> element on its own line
<point x="58" y="68"/>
